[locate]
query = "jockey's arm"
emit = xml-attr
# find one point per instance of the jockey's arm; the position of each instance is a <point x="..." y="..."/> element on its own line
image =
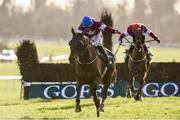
<point x="123" y="35"/>
<point x="107" y="28"/>
<point x="79" y="31"/>
<point x="149" y="32"/>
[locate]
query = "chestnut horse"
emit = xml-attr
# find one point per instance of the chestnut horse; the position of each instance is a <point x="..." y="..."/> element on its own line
<point x="90" y="69"/>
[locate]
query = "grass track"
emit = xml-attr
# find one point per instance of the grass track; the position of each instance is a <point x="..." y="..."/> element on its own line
<point x="115" y="108"/>
<point x="11" y="107"/>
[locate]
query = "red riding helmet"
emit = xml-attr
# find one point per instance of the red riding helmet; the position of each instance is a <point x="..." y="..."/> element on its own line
<point x="136" y="27"/>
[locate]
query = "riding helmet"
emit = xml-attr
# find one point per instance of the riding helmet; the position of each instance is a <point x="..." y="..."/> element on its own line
<point x="87" y="21"/>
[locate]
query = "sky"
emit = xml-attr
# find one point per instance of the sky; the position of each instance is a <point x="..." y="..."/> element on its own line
<point x="28" y="5"/>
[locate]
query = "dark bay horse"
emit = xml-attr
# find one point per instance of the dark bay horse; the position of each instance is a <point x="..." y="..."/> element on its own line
<point x="90" y="69"/>
<point x="137" y="69"/>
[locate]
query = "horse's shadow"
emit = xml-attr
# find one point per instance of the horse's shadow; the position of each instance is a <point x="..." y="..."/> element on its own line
<point x="66" y="107"/>
<point x="72" y="106"/>
<point x="41" y="100"/>
<point x="8" y="104"/>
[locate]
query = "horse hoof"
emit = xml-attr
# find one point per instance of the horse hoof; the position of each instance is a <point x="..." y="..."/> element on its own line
<point x="138" y="98"/>
<point x="98" y="114"/>
<point x="129" y="96"/>
<point x="141" y="99"/>
<point x="78" y="109"/>
<point x="101" y="109"/>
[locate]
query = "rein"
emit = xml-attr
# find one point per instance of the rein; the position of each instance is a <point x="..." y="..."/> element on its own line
<point x="77" y="58"/>
<point x="137" y="60"/>
<point x="86" y="62"/>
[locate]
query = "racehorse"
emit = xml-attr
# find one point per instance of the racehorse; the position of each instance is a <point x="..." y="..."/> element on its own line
<point x="137" y="69"/>
<point x="90" y="69"/>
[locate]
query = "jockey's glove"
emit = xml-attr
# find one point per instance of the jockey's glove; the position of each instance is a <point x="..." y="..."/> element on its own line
<point x="117" y="32"/>
<point x="120" y="41"/>
<point x="157" y="40"/>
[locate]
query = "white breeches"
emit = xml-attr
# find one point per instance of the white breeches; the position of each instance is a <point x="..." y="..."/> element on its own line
<point x="148" y="47"/>
<point x="97" y="40"/>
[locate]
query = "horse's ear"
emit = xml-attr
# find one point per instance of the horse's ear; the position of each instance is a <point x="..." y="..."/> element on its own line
<point x="73" y="32"/>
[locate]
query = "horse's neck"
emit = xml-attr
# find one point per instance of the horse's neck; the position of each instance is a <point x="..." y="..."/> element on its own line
<point x="84" y="57"/>
<point x="92" y="52"/>
<point x="88" y="55"/>
<point x="136" y="54"/>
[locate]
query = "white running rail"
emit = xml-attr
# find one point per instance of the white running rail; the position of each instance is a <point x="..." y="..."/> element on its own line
<point x="10" y="77"/>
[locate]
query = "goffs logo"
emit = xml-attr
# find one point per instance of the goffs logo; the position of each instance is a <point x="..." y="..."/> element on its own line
<point x="155" y="89"/>
<point x="69" y="91"/>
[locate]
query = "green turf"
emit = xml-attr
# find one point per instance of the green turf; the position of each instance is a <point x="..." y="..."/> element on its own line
<point x="9" y="68"/>
<point x="11" y="107"/>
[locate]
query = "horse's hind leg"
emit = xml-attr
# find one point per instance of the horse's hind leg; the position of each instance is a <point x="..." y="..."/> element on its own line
<point x="104" y="96"/>
<point x="96" y="100"/>
<point x="78" y="106"/>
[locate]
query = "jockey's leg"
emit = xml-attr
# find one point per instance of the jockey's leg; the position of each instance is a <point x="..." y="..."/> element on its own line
<point x="102" y="51"/>
<point x="71" y="58"/>
<point x="97" y="42"/>
<point x="148" y="53"/>
<point x="126" y="56"/>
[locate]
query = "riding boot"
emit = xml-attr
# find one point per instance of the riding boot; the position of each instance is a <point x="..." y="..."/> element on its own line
<point x="148" y="53"/>
<point x="149" y="58"/>
<point x="71" y="59"/>
<point x="126" y="57"/>
<point x="102" y="51"/>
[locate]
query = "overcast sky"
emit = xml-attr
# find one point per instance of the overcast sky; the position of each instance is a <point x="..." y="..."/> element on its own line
<point x="28" y="5"/>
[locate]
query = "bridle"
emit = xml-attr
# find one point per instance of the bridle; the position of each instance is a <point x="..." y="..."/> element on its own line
<point x="90" y="62"/>
<point x="82" y="53"/>
<point x="136" y="60"/>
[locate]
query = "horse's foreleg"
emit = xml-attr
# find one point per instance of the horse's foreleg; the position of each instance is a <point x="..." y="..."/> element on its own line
<point x="104" y="96"/>
<point x="130" y="88"/>
<point x="78" y="90"/>
<point x="96" y="100"/>
<point x="139" y="92"/>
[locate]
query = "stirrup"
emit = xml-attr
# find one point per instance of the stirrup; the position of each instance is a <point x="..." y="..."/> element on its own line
<point x="106" y="63"/>
<point x="150" y="54"/>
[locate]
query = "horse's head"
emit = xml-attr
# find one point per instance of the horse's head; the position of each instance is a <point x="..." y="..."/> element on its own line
<point x="139" y="45"/>
<point x="78" y="44"/>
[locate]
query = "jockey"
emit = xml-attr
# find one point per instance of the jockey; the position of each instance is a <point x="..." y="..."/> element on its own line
<point x="92" y="29"/>
<point x="138" y="31"/>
